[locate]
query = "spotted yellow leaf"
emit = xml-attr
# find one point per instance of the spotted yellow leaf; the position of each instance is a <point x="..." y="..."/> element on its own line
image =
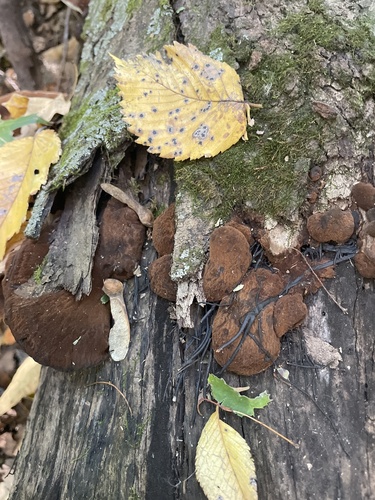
<point x="24" y="165"/>
<point x="223" y="463"/>
<point x="184" y="106"/>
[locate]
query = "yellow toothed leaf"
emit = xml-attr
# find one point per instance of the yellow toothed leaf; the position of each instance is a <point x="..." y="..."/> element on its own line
<point x="24" y="165"/>
<point x="185" y="106"/>
<point x="223" y="463"/>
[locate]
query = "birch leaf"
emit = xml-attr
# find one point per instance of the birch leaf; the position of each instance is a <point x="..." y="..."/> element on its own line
<point x="229" y="397"/>
<point x="185" y="106"/>
<point x="24" y="165"/>
<point x="224" y="466"/>
<point x="24" y="383"/>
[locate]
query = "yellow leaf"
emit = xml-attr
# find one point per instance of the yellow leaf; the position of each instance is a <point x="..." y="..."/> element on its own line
<point x="24" y="383"/>
<point x="223" y="463"/>
<point x="16" y="105"/>
<point x="187" y="107"/>
<point x="43" y="106"/>
<point x="24" y="165"/>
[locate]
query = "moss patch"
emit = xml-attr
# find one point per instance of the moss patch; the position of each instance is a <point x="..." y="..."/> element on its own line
<point x="269" y="172"/>
<point x="266" y="173"/>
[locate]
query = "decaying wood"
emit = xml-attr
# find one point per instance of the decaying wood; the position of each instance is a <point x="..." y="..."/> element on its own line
<point x="82" y="440"/>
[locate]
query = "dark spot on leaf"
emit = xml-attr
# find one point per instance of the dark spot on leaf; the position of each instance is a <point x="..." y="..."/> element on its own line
<point x="154" y="110"/>
<point x="145" y="94"/>
<point x="170" y="130"/>
<point x="182" y="129"/>
<point x="154" y="132"/>
<point x="149" y="139"/>
<point x="186" y="101"/>
<point x="174" y="141"/>
<point x="177" y="110"/>
<point x="141" y="115"/>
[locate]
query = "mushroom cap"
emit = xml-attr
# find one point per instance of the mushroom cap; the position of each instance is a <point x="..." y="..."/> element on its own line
<point x="121" y="240"/>
<point x="159" y="273"/>
<point x="364" y="195"/>
<point x="333" y="225"/>
<point x="228" y="261"/>
<point x="259" y="285"/>
<point x="54" y="328"/>
<point x="163" y="231"/>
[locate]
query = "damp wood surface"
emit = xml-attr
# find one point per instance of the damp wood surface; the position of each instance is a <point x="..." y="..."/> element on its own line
<point x="101" y="449"/>
<point x="85" y="441"/>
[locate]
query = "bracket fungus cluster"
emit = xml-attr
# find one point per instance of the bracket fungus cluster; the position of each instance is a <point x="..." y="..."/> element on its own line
<point x="48" y="322"/>
<point x="256" y="305"/>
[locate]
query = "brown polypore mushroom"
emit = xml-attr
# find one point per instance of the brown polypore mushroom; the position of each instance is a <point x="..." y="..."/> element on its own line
<point x="364" y="195"/>
<point x="288" y="313"/>
<point x="256" y="355"/>
<point x="54" y="328"/>
<point x="121" y="239"/>
<point x="229" y="259"/>
<point x="333" y="225"/>
<point x="163" y="231"/>
<point x="160" y="280"/>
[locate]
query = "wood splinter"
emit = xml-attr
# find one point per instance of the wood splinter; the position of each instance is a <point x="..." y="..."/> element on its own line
<point x="119" y="335"/>
<point x="144" y="214"/>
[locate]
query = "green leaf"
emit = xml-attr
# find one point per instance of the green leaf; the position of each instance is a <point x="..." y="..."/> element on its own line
<point x="8" y="126"/>
<point x="229" y="397"/>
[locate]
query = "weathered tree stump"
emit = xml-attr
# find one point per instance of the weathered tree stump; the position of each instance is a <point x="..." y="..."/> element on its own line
<point x="84" y="440"/>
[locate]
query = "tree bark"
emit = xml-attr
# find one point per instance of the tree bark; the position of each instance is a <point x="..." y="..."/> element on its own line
<point x="84" y="439"/>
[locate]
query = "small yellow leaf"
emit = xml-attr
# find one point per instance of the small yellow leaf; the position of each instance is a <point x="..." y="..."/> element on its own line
<point x="43" y="106"/>
<point x="186" y="107"/>
<point x="24" y="165"/>
<point x="223" y="463"/>
<point x="16" y="105"/>
<point x="24" y="383"/>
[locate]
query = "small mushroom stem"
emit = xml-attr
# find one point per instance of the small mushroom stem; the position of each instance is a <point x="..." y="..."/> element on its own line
<point x="144" y="214"/>
<point x="119" y="335"/>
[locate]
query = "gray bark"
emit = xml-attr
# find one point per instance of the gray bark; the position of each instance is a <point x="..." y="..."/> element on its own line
<point x="85" y="441"/>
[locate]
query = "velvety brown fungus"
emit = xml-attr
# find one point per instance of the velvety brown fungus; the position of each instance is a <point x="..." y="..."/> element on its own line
<point x="229" y="259"/>
<point x="163" y="231"/>
<point x="364" y="195"/>
<point x="160" y="279"/>
<point x="333" y="225"/>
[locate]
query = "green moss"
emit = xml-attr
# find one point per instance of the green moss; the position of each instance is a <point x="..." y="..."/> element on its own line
<point x="132" y="6"/>
<point x="266" y="173"/>
<point x="93" y="123"/>
<point x="269" y="172"/>
<point x="133" y="494"/>
<point x="160" y="30"/>
<point x="38" y="273"/>
<point x="220" y="45"/>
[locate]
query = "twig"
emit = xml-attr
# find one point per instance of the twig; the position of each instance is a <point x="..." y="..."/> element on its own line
<point x="117" y="389"/>
<point x="345" y="311"/>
